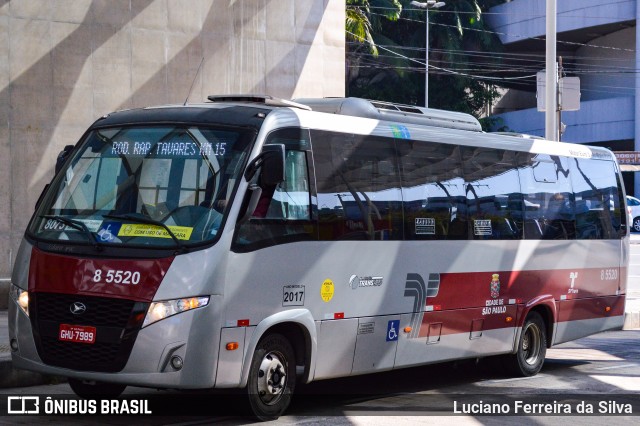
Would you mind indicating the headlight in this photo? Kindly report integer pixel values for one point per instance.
(161, 310)
(21, 297)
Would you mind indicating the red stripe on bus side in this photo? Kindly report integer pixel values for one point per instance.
(474, 289)
(461, 320)
(581, 309)
(491, 318)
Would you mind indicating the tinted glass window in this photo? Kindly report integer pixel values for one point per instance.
(290, 199)
(597, 199)
(433, 191)
(151, 186)
(283, 212)
(548, 200)
(359, 194)
(491, 186)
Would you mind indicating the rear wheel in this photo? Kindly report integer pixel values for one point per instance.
(92, 389)
(532, 347)
(636, 224)
(272, 377)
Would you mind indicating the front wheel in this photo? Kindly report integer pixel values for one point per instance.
(532, 347)
(92, 389)
(272, 377)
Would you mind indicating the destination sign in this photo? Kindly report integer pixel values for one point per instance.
(173, 149)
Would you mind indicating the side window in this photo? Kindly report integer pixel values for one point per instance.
(359, 195)
(284, 212)
(435, 205)
(548, 200)
(290, 198)
(598, 204)
(493, 192)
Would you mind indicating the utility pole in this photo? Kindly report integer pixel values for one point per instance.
(430, 4)
(559, 104)
(550, 115)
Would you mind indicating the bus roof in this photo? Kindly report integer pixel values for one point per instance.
(348, 114)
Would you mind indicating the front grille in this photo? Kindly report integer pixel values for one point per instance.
(117, 322)
(100, 311)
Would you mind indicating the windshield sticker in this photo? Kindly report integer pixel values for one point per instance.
(176, 149)
(93, 225)
(425, 226)
(482, 227)
(153, 231)
(326, 290)
(69, 175)
(108, 232)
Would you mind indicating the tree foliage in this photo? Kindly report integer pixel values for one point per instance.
(386, 63)
(365, 17)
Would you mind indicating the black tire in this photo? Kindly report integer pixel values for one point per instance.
(91, 389)
(636, 224)
(272, 377)
(532, 347)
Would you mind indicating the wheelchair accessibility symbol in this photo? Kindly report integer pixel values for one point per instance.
(392, 330)
(105, 234)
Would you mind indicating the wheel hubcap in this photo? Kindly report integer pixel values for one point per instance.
(531, 342)
(272, 378)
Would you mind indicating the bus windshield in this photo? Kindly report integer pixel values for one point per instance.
(161, 186)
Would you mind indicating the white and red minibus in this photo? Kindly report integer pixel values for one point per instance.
(251, 242)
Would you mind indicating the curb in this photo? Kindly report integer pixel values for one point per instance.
(631, 321)
(14, 378)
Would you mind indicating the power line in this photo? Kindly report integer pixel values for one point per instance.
(448, 70)
(503, 55)
(570, 43)
(561, 14)
(523, 64)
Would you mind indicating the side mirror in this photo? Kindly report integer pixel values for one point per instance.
(62, 157)
(272, 172)
(270, 163)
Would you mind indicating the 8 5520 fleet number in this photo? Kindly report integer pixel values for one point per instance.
(116, 276)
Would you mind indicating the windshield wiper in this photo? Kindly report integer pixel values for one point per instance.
(75, 224)
(147, 220)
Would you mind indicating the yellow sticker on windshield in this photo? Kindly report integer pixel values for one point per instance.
(144, 230)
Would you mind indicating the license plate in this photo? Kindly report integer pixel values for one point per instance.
(77, 333)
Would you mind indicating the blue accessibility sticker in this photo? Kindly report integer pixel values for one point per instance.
(392, 330)
(108, 231)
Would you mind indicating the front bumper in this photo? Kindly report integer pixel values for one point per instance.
(190, 335)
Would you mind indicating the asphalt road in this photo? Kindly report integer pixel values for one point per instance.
(601, 369)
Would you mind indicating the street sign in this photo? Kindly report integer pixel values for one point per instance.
(628, 157)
